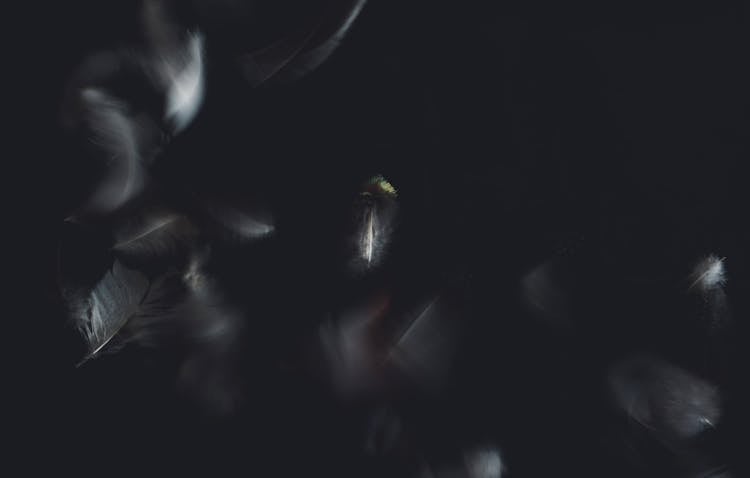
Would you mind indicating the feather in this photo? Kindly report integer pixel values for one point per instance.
(671, 402)
(425, 345)
(178, 65)
(375, 213)
(153, 236)
(546, 291)
(302, 52)
(210, 372)
(708, 275)
(235, 223)
(117, 297)
(117, 138)
(483, 462)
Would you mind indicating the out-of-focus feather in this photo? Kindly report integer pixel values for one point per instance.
(546, 291)
(117, 138)
(154, 235)
(178, 64)
(671, 402)
(117, 297)
(708, 275)
(425, 345)
(234, 222)
(299, 54)
(483, 462)
(214, 333)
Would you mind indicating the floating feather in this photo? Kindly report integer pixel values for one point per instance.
(302, 52)
(708, 275)
(178, 65)
(375, 213)
(117, 138)
(671, 402)
(118, 297)
(154, 236)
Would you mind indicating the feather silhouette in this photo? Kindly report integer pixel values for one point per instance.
(302, 52)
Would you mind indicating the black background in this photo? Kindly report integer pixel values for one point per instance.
(614, 136)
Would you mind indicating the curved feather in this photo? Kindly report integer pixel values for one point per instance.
(666, 399)
(178, 64)
(117, 297)
(292, 58)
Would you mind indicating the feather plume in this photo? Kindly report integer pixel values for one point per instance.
(299, 54)
(178, 65)
(118, 296)
(708, 275)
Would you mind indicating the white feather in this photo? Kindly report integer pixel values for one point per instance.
(709, 274)
(117, 135)
(183, 77)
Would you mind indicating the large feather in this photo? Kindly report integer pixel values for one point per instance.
(118, 297)
(302, 52)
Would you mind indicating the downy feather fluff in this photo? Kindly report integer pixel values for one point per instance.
(299, 54)
(177, 63)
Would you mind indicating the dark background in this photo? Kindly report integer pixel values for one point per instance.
(614, 137)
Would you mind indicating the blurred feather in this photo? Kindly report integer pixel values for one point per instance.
(210, 372)
(671, 402)
(708, 275)
(302, 52)
(154, 236)
(118, 140)
(178, 64)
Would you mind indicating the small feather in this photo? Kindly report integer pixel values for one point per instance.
(154, 235)
(178, 65)
(299, 54)
(709, 274)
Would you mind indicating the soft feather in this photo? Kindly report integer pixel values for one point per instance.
(671, 402)
(154, 236)
(294, 57)
(177, 63)
(102, 313)
(117, 137)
